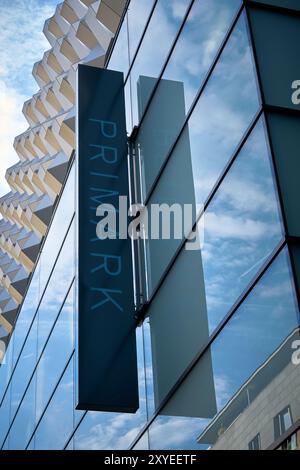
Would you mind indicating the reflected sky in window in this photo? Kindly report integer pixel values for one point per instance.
(199, 42)
(160, 34)
(242, 226)
(224, 112)
(258, 327)
(253, 342)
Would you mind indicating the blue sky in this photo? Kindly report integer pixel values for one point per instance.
(21, 44)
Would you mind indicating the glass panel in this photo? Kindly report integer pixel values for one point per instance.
(5, 415)
(6, 369)
(198, 44)
(57, 288)
(143, 443)
(195, 50)
(130, 35)
(138, 14)
(255, 443)
(241, 227)
(57, 423)
(27, 313)
(287, 420)
(58, 229)
(25, 367)
(265, 319)
(57, 353)
(24, 423)
(245, 376)
(5, 445)
(31, 445)
(165, 23)
(277, 427)
(282, 422)
(49, 308)
(221, 117)
(148, 367)
(178, 314)
(224, 112)
(70, 446)
(61, 221)
(119, 59)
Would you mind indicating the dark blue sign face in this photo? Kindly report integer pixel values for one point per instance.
(107, 364)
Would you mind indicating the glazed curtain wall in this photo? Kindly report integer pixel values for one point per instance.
(229, 311)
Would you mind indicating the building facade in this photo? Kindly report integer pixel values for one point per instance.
(213, 118)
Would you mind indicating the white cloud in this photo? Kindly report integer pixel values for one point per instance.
(176, 432)
(223, 390)
(178, 9)
(224, 226)
(244, 194)
(278, 290)
(114, 431)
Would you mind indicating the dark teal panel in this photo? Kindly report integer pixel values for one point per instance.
(107, 363)
(293, 4)
(285, 132)
(276, 38)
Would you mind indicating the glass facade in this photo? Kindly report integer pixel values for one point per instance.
(215, 345)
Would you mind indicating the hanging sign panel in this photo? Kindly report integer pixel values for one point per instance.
(106, 344)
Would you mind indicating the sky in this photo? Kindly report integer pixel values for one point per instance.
(22, 43)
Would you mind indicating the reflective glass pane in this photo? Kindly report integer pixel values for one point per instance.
(143, 443)
(25, 367)
(198, 44)
(219, 120)
(5, 415)
(58, 351)
(119, 59)
(57, 423)
(24, 423)
(223, 112)
(30, 445)
(70, 446)
(57, 288)
(178, 328)
(178, 433)
(191, 59)
(148, 367)
(242, 226)
(6, 369)
(130, 35)
(160, 34)
(58, 229)
(246, 377)
(5, 445)
(138, 14)
(27, 312)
